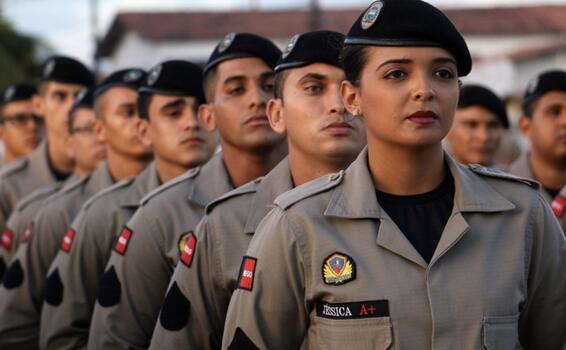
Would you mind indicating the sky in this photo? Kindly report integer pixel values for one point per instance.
(65, 26)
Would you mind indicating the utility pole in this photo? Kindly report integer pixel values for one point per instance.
(94, 32)
(315, 15)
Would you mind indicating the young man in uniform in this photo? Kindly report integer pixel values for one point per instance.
(407, 248)
(322, 139)
(21, 130)
(18, 318)
(117, 122)
(238, 83)
(60, 80)
(544, 123)
(116, 125)
(167, 104)
(478, 126)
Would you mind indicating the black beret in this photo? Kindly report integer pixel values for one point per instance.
(552, 80)
(84, 99)
(322, 46)
(131, 78)
(477, 95)
(177, 78)
(66, 70)
(239, 45)
(17, 92)
(409, 23)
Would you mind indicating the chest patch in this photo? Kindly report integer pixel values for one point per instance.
(353, 310)
(338, 269)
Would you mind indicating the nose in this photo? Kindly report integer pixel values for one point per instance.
(335, 103)
(258, 98)
(190, 121)
(423, 90)
(481, 134)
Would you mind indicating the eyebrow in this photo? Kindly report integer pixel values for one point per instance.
(408, 61)
(313, 76)
(176, 103)
(262, 76)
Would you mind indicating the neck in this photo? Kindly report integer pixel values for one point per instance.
(404, 171)
(244, 166)
(58, 157)
(167, 171)
(9, 156)
(551, 175)
(305, 168)
(121, 167)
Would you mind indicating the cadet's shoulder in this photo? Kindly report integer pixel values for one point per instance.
(104, 196)
(14, 168)
(236, 195)
(499, 175)
(65, 191)
(309, 191)
(37, 195)
(171, 186)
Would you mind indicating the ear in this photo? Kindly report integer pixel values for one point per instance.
(99, 130)
(143, 131)
(525, 125)
(351, 98)
(207, 117)
(37, 105)
(275, 115)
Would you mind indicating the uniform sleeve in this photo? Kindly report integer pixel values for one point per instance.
(194, 309)
(80, 269)
(132, 289)
(543, 317)
(268, 308)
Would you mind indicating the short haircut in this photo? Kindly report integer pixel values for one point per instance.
(209, 82)
(143, 102)
(279, 83)
(100, 106)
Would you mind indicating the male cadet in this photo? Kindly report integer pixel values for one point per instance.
(18, 298)
(20, 129)
(59, 81)
(478, 126)
(322, 139)
(115, 104)
(167, 104)
(544, 123)
(87, 151)
(238, 81)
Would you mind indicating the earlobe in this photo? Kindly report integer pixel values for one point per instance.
(349, 94)
(274, 114)
(207, 117)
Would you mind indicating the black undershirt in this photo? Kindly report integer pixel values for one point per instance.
(421, 217)
(59, 176)
(552, 192)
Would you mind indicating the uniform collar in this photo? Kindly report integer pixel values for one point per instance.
(521, 167)
(100, 178)
(277, 181)
(39, 163)
(211, 181)
(141, 185)
(356, 197)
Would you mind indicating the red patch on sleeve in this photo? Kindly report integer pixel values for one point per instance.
(123, 240)
(7, 239)
(189, 250)
(27, 233)
(247, 273)
(558, 206)
(68, 240)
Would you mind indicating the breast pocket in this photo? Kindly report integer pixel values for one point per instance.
(359, 334)
(501, 332)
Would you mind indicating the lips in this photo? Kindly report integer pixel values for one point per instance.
(257, 120)
(193, 141)
(423, 117)
(339, 128)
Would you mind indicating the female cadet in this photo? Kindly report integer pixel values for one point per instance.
(406, 249)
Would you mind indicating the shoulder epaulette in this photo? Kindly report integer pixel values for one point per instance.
(500, 174)
(309, 189)
(176, 181)
(118, 185)
(16, 166)
(250, 187)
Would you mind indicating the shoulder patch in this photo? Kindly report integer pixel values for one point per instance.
(117, 186)
(309, 189)
(7, 239)
(123, 240)
(250, 187)
(176, 181)
(67, 242)
(500, 174)
(187, 246)
(247, 273)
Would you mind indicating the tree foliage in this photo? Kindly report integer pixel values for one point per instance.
(17, 55)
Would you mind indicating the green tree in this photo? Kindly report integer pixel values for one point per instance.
(17, 55)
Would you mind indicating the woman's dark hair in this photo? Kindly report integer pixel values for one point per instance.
(353, 59)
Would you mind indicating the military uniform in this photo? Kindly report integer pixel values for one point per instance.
(195, 306)
(329, 269)
(521, 167)
(143, 259)
(97, 226)
(22, 293)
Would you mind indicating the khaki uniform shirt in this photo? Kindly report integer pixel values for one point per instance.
(522, 168)
(21, 299)
(142, 261)
(193, 313)
(21, 178)
(329, 269)
(97, 226)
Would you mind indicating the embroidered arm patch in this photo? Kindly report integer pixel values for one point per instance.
(247, 273)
